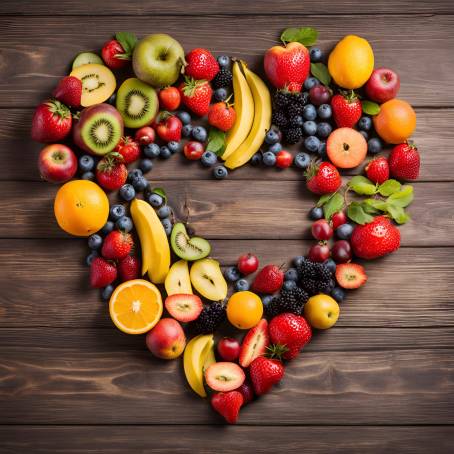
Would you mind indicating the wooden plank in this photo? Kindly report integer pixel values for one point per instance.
(433, 137)
(272, 210)
(34, 56)
(411, 288)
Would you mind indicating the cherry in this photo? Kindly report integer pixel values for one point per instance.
(319, 94)
(341, 251)
(145, 135)
(284, 159)
(319, 252)
(321, 230)
(193, 150)
(338, 219)
(229, 349)
(248, 264)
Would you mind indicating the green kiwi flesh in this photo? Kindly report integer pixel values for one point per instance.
(85, 58)
(190, 249)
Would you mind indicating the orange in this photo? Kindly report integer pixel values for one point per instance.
(135, 306)
(244, 310)
(81, 207)
(346, 148)
(396, 121)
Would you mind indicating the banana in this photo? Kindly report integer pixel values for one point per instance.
(153, 241)
(244, 109)
(262, 121)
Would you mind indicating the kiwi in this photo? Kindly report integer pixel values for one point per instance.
(137, 102)
(85, 58)
(187, 248)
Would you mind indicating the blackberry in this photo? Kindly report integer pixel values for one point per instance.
(314, 286)
(222, 79)
(280, 100)
(313, 270)
(209, 319)
(293, 135)
(294, 109)
(288, 301)
(298, 99)
(279, 119)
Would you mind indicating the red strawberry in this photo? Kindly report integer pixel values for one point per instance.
(169, 98)
(347, 110)
(196, 95)
(117, 245)
(112, 53)
(111, 173)
(201, 64)
(291, 331)
(404, 162)
(129, 268)
(168, 127)
(222, 116)
(102, 272)
(350, 275)
(51, 122)
(269, 279)
(69, 91)
(323, 178)
(228, 405)
(378, 238)
(378, 170)
(265, 373)
(247, 391)
(254, 343)
(129, 149)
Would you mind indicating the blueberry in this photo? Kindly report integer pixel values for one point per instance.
(88, 176)
(224, 61)
(186, 130)
(271, 137)
(124, 224)
(139, 183)
(127, 192)
(209, 159)
(184, 117)
(269, 158)
(310, 82)
(220, 94)
(275, 148)
(232, 274)
(256, 159)
(164, 212)
(374, 145)
(220, 172)
(331, 265)
(297, 120)
(107, 228)
(316, 213)
(134, 173)
(241, 285)
(302, 160)
(344, 231)
(324, 111)
(174, 146)
(86, 163)
(146, 165)
(116, 212)
(94, 241)
(338, 294)
(164, 152)
(113, 99)
(365, 134)
(167, 224)
(309, 128)
(324, 130)
(309, 112)
(92, 255)
(299, 260)
(291, 275)
(199, 133)
(155, 200)
(106, 292)
(316, 54)
(289, 285)
(151, 150)
(322, 150)
(311, 143)
(365, 123)
(266, 300)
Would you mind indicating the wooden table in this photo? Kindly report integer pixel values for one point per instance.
(382, 380)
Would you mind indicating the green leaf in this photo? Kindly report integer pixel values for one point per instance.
(357, 214)
(361, 185)
(216, 141)
(290, 35)
(402, 198)
(371, 206)
(304, 35)
(389, 187)
(320, 71)
(398, 214)
(324, 198)
(161, 192)
(128, 42)
(334, 204)
(370, 108)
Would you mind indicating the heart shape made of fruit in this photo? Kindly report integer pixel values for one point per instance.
(322, 114)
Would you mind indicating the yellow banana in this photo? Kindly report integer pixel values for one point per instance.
(261, 124)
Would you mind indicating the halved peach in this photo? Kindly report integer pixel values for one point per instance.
(346, 148)
(224, 376)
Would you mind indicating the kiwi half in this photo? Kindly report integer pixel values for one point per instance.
(187, 248)
(137, 103)
(86, 58)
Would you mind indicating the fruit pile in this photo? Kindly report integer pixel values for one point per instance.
(323, 114)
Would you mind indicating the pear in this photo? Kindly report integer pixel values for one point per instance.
(207, 279)
(178, 280)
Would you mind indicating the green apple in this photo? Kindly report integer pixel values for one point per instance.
(321, 311)
(157, 60)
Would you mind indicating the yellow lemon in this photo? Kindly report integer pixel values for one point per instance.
(244, 310)
(351, 62)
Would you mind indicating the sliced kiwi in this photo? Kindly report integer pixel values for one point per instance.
(137, 102)
(86, 58)
(187, 248)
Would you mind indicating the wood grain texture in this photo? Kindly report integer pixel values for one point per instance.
(31, 66)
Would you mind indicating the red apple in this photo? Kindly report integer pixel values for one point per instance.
(57, 163)
(382, 85)
(287, 66)
(166, 340)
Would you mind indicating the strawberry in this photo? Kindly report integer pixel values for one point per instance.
(378, 238)
(196, 95)
(291, 331)
(269, 279)
(247, 391)
(265, 373)
(254, 343)
(168, 127)
(228, 405)
(169, 98)
(378, 170)
(222, 116)
(117, 52)
(117, 245)
(129, 149)
(350, 275)
(51, 122)
(404, 161)
(129, 268)
(102, 272)
(69, 91)
(323, 178)
(111, 173)
(201, 64)
(347, 110)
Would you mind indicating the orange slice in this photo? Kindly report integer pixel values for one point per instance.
(135, 306)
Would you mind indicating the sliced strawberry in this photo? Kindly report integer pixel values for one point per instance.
(350, 275)
(228, 405)
(183, 307)
(224, 376)
(254, 343)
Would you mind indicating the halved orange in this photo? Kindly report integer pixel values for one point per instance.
(135, 306)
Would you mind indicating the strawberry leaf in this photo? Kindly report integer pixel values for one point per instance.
(324, 198)
(320, 71)
(357, 214)
(362, 186)
(216, 141)
(398, 214)
(402, 198)
(370, 108)
(334, 204)
(128, 42)
(372, 206)
(304, 35)
(389, 187)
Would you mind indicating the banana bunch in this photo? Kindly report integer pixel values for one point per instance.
(153, 241)
(253, 116)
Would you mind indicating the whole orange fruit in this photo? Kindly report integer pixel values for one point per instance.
(244, 309)
(396, 121)
(81, 207)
